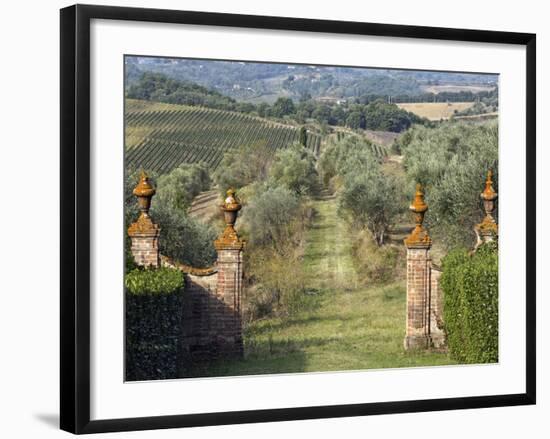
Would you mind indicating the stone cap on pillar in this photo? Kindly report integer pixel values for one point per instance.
(229, 238)
(419, 237)
(144, 225)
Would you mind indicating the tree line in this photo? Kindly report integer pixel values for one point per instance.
(370, 112)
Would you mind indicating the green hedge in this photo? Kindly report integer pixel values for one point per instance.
(153, 281)
(470, 288)
(154, 302)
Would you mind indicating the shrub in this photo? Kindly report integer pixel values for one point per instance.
(272, 217)
(275, 283)
(283, 107)
(154, 300)
(274, 222)
(375, 263)
(370, 197)
(470, 288)
(153, 281)
(345, 155)
(244, 165)
(380, 115)
(178, 188)
(294, 168)
(183, 238)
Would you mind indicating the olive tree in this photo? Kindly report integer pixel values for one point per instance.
(370, 197)
(243, 166)
(271, 215)
(294, 169)
(452, 161)
(182, 184)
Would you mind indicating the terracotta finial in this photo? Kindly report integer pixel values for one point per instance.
(418, 205)
(487, 230)
(144, 192)
(419, 236)
(489, 193)
(231, 202)
(230, 209)
(144, 187)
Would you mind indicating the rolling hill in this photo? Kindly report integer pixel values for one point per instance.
(160, 136)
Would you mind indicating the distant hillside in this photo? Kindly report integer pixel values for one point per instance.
(160, 88)
(264, 82)
(161, 136)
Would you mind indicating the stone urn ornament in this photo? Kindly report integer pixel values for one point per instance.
(230, 208)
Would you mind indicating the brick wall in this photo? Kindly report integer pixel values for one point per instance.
(212, 326)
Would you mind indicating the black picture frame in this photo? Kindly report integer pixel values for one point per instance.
(75, 217)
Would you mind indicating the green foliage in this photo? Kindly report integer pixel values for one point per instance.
(402, 141)
(379, 115)
(476, 109)
(486, 102)
(355, 120)
(279, 287)
(470, 287)
(294, 169)
(376, 264)
(322, 113)
(159, 88)
(452, 161)
(375, 115)
(153, 314)
(178, 188)
(183, 238)
(302, 138)
(243, 166)
(153, 281)
(344, 155)
(274, 222)
(370, 196)
(271, 216)
(283, 107)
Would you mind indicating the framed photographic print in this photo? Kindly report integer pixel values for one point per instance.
(273, 218)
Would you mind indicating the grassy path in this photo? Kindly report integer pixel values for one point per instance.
(348, 326)
(328, 260)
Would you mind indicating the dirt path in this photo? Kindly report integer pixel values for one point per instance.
(205, 206)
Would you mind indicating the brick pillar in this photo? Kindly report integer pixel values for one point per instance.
(230, 274)
(419, 262)
(145, 244)
(144, 234)
(487, 230)
(418, 300)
